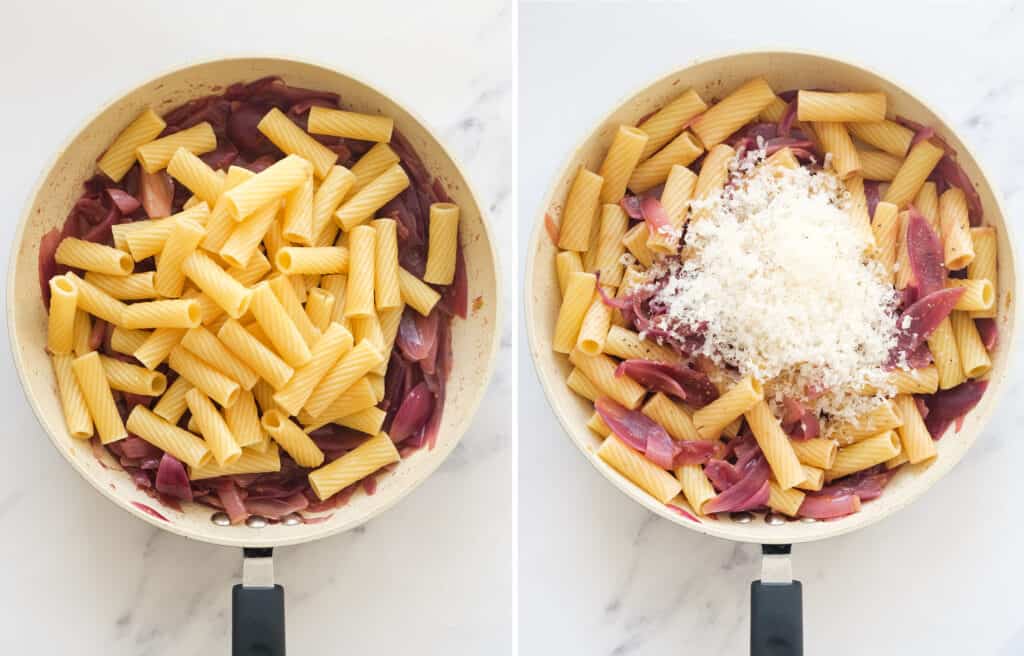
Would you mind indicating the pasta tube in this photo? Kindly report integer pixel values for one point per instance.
(594, 327)
(297, 222)
(817, 452)
(278, 326)
(979, 294)
(619, 162)
(214, 429)
(739, 399)
(229, 294)
(245, 237)
(696, 487)
(353, 365)
(600, 370)
(376, 452)
(133, 287)
(290, 437)
(918, 445)
(292, 260)
(682, 151)
(205, 346)
(90, 256)
(351, 125)
(285, 293)
(293, 140)
(120, 156)
(642, 472)
(443, 244)
(887, 136)
(847, 107)
(176, 313)
(942, 344)
(675, 198)
(185, 236)
(95, 389)
(127, 341)
(836, 140)
(158, 346)
(984, 265)
(916, 168)
(334, 343)
(974, 359)
(208, 380)
(775, 445)
(417, 294)
(580, 384)
(376, 160)
(319, 304)
(243, 421)
(270, 184)
(580, 208)
(956, 229)
(328, 197)
(195, 174)
(60, 331)
(178, 442)
(886, 227)
(733, 112)
(386, 291)
(876, 165)
(155, 155)
(362, 205)
(267, 364)
(626, 344)
(665, 124)
(672, 417)
(130, 378)
(250, 462)
(578, 297)
(172, 405)
(873, 451)
(76, 413)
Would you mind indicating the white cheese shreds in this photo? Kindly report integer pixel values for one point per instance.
(778, 277)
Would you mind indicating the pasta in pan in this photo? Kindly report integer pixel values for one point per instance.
(756, 326)
(276, 323)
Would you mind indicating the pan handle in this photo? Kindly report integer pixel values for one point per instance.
(776, 606)
(257, 608)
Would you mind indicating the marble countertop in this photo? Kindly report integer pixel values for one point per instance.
(599, 574)
(433, 575)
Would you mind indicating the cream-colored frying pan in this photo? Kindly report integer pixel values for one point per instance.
(713, 78)
(474, 340)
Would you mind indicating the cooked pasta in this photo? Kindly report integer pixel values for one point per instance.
(92, 382)
(244, 240)
(371, 165)
(127, 341)
(293, 140)
(173, 313)
(915, 169)
(886, 227)
(817, 452)
(214, 429)
(268, 185)
(162, 434)
(257, 356)
(846, 107)
(158, 346)
(887, 136)
(72, 401)
(983, 266)
(621, 159)
(351, 125)
(376, 452)
(956, 229)
(334, 343)
(195, 174)
(979, 295)
(89, 256)
(580, 292)
(202, 376)
(417, 294)
(353, 365)
(665, 124)
(126, 377)
(882, 418)
(635, 240)
(387, 293)
(787, 501)
(624, 343)
(443, 243)
(869, 452)
(775, 444)
(250, 462)
(942, 344)
(649, 477)
(208, 348)
(653, 171)
(278, 326)
(732, 112)
(362, 204)
(133, 287)
(169, 279)
(120, 155)
(156, 154)
(877, 165)
(738, 400)
(243, 421)
(290, 437)
(974, 358)
(298, 260)
(229, 294)
(600, 370)
(172, 405)
(594, 327)
(835, 140)
(671, 416)
(580, 209)
(60, 332)
(297, 219)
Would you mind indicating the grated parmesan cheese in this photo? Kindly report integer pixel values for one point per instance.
(777, 274)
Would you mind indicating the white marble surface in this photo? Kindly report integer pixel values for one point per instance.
(435, 574)
(600, 575)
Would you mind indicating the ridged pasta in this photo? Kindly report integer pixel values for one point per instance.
(869, 452)
(942, 344)
(158, 346)
(120, 156)
(887, 136)
(387, 293)
(622, 157)
(675, 198)
(597, 425)
(626, 344)
(245, 237)
(733, 112)
(372, 164)
(362, 204)
(150, 239)
(903, 274)
(195, 174)
(859, 208)
(360, 396)
(369, 328)
(162, 434)
(369, 421)
(328, 197)
(665, 124)
(250, 462)
(697, 489)
(293, 140)
(351, 125)
(76, 413)
(672, 417)
(232, 297)
(131, 378)
(878, 420)
(133, 287)
(886, 228)
(978, 295)
(742, 397)
(652, 172)
(635, 240)
(92, 382)
(90, 256)
(917, 443)
(278, 326)
(642, 472)
(254, 271)
(207, 347)
(243, 421)
(209, 311)
(814, 478)
(285, 292)
(96, 302)
(319, 304)
(335, 285)
(915, 381)
(773, 111)
(958, 249)
(773, 442)
(580, 384)
(843, 107)
(783, 501)
(297, 218)
(984, 266)
(579, 211)
(594, 327)
(974, 359)
(877, 165)
(817, 452)
(836, 140)
(714, 173)
(172, 405)
(202, 376)
(127, 341)
(600, 370)
(257, 356)
(353, 365)
(609, 249)
(270, 184)
(916, 168)
(417, 294)
(326, 352)
(927, 203)
(221, 223)
(155, 155)
(290, 437)
(169, 280)
(298, 260)
(443, 243)
(368, 457)
(580, 292)
(174, 313)
(60, 331)
(214, 429)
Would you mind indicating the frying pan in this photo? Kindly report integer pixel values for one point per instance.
(258, 604)
(776, 613)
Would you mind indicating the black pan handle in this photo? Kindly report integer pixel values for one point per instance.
(776, 606)
(257, 608)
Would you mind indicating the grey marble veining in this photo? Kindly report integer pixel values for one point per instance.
(433, 574)
(601, 576)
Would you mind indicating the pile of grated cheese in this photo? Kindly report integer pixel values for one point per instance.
(779, 275)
